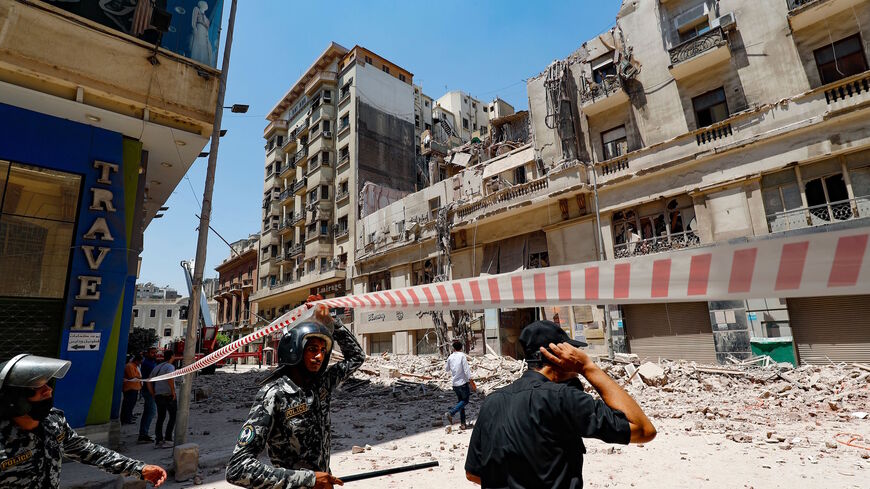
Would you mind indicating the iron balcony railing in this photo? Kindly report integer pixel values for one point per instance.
(299, 185)
(659, 244)
(339, 196)
(297, 250)
(596, 91)
(697, 45)
(819, 215)
(796, 4)
(510, 194)
(341, 233)
(297, 217)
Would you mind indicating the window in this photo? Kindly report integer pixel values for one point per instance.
(324, 191)
(672, 228)
(824, 191)
(484, 130)
(402, 77)
(343, 153)
(152, 313)
(694, 30)
(434, 205)
(311, 266)
(614, 143)
(324, 158)
(345, 89)
(486, 109)
(39, 209)
(324, 228)
(327, 94)
(539, 260)
(325, 125)
(385, 69)
(379, 281)
(323, 264)
(417, 120)
(368, 59)
(425, 103)
(169, 313)
(344, 188)
(381, 343)
(464, 123)
(342, 224)
(840, 59)
(135, 313)
(344, 121)
(422, 272)
(473, 105)
(603, 69)
(167, 332)
(311, 229)
(710, 107)
(520, 174)
(342, 260)
(474, 126)
(280, 140)
(312, 197)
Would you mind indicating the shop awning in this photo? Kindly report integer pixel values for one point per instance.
(509, 162)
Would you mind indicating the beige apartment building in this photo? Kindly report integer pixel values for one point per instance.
(723, 120)
(471, 117)
(339, 142)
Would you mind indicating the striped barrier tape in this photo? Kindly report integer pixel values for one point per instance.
(804, 265)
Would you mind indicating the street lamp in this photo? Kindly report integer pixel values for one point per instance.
(238, 108)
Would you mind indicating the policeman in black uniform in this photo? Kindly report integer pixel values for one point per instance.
(34, 436)
(290, 415)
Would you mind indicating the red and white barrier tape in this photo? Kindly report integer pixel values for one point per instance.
(806, 265)
(288, 320)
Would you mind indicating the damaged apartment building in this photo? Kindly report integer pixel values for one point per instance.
(719, 121)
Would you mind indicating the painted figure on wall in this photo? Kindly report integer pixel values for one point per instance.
(200, 47)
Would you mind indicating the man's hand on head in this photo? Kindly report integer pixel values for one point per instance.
(567, 357)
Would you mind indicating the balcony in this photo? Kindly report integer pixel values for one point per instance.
(276, 125)
(800, 112)
(301, 157)
(286, 225)
(296, 250)
(248, 284)
(805, 13)
(299, 186)
(289, 145)
(285, 195)
(819, 215)
(330, 77)
(341, 233)
(341, 196)
(699, 54)
(236, 288)
(517, 193)
(288, 169)
(298, 219)
(599, 97)
(659, 244)
(343, 163)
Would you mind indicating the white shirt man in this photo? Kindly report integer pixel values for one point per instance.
(457, 365)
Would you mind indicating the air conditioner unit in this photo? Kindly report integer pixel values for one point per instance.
(727, 22)
(691, 17)
(327, 134)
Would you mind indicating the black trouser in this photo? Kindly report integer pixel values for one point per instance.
(127, 405)
(463, 394)
(165, 404)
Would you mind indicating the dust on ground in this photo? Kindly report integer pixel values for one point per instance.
(742, 426)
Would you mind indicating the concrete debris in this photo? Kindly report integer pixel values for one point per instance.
(652, 374)
(186, 458)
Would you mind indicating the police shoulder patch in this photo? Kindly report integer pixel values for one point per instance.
(247, 435)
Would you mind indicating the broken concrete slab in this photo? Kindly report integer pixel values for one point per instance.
(652, 374)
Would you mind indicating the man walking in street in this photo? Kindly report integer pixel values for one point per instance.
(164, 396)
(529, 434)
(149, 408)
(35, 437)
(130, 388)
(457, 365)
(291, 412)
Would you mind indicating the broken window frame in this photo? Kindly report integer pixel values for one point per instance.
(614, 143)
(707, 107)
(656, 230)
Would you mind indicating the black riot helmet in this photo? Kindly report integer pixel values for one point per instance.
(292, 345)
(21, 376)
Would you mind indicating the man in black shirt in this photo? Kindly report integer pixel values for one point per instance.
(529, 434)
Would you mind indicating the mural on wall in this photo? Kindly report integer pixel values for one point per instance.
(194, 31)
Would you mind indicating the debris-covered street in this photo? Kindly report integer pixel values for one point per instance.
(723, 426)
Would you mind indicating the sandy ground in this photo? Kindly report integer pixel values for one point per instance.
(777, 444)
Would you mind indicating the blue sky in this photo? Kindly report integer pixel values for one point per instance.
(486, 48)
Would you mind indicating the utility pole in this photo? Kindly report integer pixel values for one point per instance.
(608, 322)
(202, 240)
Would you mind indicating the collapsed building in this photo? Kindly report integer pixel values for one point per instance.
(725, 120)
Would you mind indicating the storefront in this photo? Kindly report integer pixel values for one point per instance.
(831, 329)
(68, 199)
(676, 330)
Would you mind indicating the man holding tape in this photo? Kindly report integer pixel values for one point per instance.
(35, 437)
(290, 415)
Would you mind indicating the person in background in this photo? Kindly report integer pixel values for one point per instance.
(457, 365)
(149, 408)
(529, 434)
(35, 436)
(164, 396)
(130, 388)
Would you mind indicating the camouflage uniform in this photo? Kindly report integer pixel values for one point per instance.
(293, 423)
(32, 459)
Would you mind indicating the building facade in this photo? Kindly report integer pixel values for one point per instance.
(735, 120)
(99, 126)
(339, 142)
(167, 317)
(237, 281)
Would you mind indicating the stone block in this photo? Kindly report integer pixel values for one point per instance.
(186, 458)
(390, 373)
(652, 374)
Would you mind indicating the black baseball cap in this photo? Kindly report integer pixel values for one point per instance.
(542, 333)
